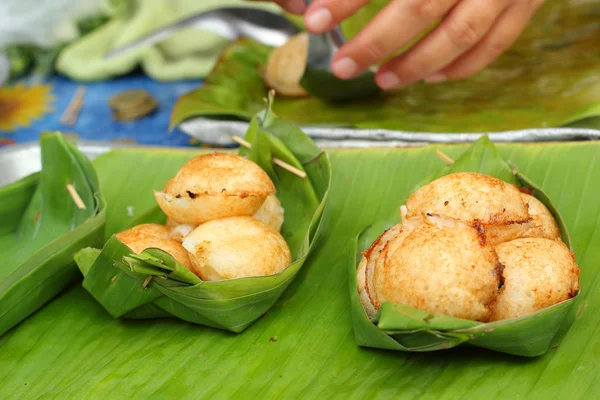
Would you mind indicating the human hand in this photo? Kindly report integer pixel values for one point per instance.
(471, 35)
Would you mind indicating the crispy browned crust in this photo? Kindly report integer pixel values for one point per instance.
(469, 196)
(147, 236)
(220, 174)
(538, 273)
(407, 261)
(236, 247)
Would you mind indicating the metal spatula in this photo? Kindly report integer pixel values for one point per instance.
(230, 22)
(318, 78)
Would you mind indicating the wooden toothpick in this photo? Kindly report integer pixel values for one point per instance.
(72, 112)
(147, 281)
(445, 158)
(276, 160)
(75, 196)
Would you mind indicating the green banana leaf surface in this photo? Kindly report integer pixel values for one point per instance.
(549, 78)
(404, 328)
(42, 228)
(304, 346)
(154, 285)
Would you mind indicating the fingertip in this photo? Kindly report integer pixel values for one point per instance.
(297, 7)
(437, 77)
(344, 68)
(388, 80)
(318, 20)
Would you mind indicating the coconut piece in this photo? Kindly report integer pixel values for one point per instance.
(538, 273)
(214, 186)
(543, 223)
(286, 66)
(435, 264)
(271, 213)
(473, 197)
(179, 232)
(236, 247)
(148, 236)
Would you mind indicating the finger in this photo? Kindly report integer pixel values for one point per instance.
(322, 15)
(394, 27)
(503, 34)
(293, 6)
(462, 29)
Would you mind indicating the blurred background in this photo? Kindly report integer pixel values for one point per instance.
(52, 56)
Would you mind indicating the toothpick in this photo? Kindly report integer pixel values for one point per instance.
(444, 157)
(147, 281)
(75, 196)
(72, 112)
(276, 160)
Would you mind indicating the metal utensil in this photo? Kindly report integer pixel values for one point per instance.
(4, 69)
(318, 79)
(230, 22)
(219, 132)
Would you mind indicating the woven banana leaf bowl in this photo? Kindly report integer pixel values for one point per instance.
(403, 328)
(154, 285)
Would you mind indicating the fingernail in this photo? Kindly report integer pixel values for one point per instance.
(295, 6)
(345, 68)
(388, 80)
(319, 20)
(436, 78)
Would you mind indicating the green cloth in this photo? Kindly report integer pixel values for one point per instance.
(188, 54)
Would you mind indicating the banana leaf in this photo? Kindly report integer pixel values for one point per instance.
(549, 78)
(304, 346)
(404, 328)
(154, 285)
(42, 228)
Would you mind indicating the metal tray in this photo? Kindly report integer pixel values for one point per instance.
(218, 132)
(23, 159)
(20, 160)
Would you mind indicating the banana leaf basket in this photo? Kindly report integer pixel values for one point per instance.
(403, 328)
(153, 285)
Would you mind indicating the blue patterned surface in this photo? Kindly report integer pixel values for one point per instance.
(95, 121)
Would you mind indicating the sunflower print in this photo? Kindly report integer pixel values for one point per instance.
(20, 105)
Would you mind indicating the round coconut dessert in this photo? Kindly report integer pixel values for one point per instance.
(147, 236)
(286, 66)
(472, 197)
(236, 247)
(542, 224)
(538, 273)
(214, 186)
(271, 213)
(435, 264)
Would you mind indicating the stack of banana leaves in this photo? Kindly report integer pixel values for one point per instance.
(297, 334)
(549, 78)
